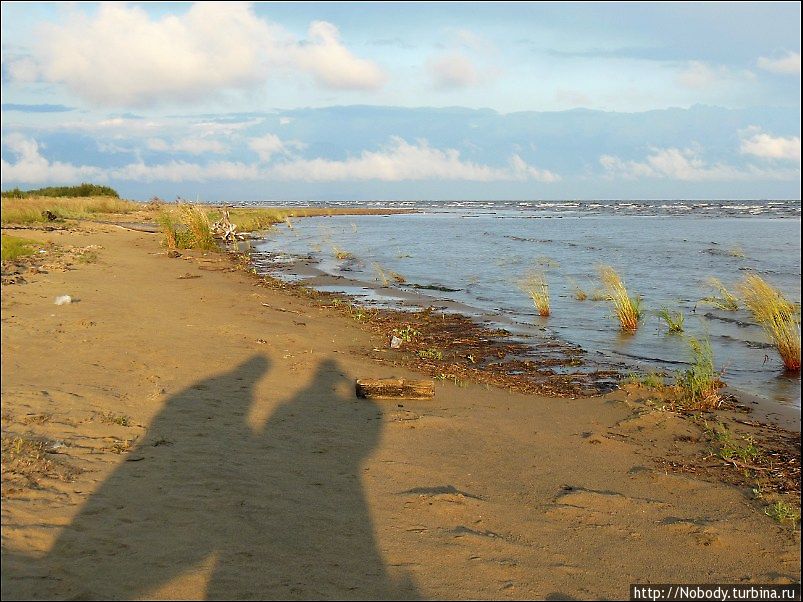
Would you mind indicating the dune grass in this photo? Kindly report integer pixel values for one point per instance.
(778, 316)
(674, 319)
(698, 386)
(31, 210)
(535, 284)
(14, 247)
(186, 226)
(200, 228)
(626, 308)
(726, 300)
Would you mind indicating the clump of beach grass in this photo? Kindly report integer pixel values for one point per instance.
(431, 354)
(341, 255)
(169, 227)
(197, 221)
(698, 386)
(674, 319)
(735, 448)
(547, 262)
(385, 276)
(186, 226)
(14, 247)
(783, 512)
(627, 309)
(726, 300)
(380, 272)
(535, 284)
(579, 293)
(778, 316)
(648, 380)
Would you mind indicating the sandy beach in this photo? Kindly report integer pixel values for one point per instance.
(203, 440)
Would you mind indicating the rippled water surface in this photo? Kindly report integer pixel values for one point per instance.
(664, 251)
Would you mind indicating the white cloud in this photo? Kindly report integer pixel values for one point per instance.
(766, 146)
(31, 167)
(269, 145)
(182, 171)
(121, 56)
(698, 75)
(20, 68)
(687, 165)
(398, 161)
(401, 160)
(453, 71)
(468, 60)
(787, 65)
(332, 64)
(195, 145)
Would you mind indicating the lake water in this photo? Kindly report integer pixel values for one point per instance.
(664, 251)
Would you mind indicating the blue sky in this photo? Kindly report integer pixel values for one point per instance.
(404, 100)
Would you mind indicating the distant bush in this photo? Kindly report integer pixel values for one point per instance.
(82, 190)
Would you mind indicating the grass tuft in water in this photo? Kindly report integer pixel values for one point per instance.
(627, 309)
(726, 300)
(674, 319)
(535, 284)
(779, 317)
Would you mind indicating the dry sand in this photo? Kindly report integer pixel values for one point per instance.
(250, 470)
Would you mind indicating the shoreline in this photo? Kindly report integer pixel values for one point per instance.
(559, 487)
(390, 299)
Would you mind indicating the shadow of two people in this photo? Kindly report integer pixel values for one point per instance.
(279, 513)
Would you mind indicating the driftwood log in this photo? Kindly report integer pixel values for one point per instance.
(224, 228)
(395, 388)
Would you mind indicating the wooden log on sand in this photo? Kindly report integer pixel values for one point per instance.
(395, 388)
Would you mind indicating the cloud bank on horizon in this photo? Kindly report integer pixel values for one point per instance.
(536, 100)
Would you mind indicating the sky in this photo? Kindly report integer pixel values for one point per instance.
(235, 101)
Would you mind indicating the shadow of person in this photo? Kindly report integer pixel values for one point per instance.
(306, 530)
(204, 506)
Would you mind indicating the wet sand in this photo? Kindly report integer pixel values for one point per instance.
(215, 448)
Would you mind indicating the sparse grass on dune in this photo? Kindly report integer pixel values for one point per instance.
(779, 317)
(698, 386)
(26, 461)
(627, 308)
(14, 247)
(726, 300)
(32, 210)
(535, 284)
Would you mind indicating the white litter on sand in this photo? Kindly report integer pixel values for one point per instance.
(63, 300)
